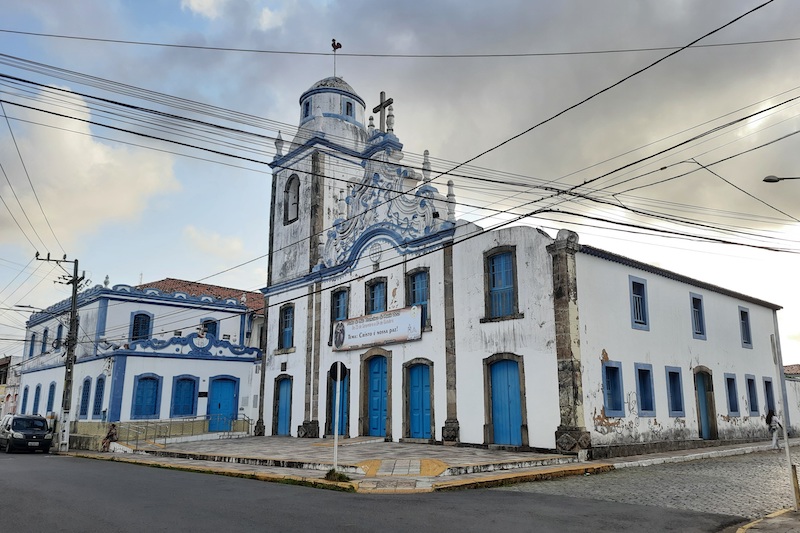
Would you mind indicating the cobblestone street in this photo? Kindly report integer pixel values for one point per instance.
(750, 485)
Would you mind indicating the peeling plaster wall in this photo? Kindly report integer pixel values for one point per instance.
(606, 334)
(531, 337)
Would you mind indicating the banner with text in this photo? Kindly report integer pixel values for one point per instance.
(381, 328)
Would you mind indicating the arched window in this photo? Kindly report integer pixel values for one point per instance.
(291, 200)
(146, 396)
(184, 396)
(44, 339)
(99, 391)
(24, 400)
(85, 395)
(51, 397)
(37, 395)
(59, 335)
(33, 343)
(141, 326)
(286, 333)
(210, 327)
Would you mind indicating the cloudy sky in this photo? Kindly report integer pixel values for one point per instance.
(137, 196)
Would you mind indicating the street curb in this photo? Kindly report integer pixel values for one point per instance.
(745, 527)
(512, 478)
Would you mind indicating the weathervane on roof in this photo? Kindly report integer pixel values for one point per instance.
(335, 47)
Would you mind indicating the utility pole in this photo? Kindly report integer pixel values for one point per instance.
(72, 342)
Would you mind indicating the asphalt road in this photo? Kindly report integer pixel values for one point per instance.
(61, 493)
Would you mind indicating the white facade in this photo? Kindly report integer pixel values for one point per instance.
(143, 354)
(524, 340)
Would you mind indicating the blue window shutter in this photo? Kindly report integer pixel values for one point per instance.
(419, 294)
(44, 340)
(501, 285)
(287, 328)
(340, 305)
(210, 327)
(85, 393)
(24, 400)
(183, 397)
(145, 402)
(141, 327)
(99, 391)
(51, 397)
(33, 343)
(36, 397)
(59, 335)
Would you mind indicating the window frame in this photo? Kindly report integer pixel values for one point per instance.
(491, 314)
(45, 334)
(769, 394)
(86, 398)
(369, 296)
(136, 382)
(752, 394)
(131, 329)
(37, 397)
(172, 404)
(24, 405)
(732, 394)
(698, 316)
(204, 327)
(638, 368)
(334, 304)
(620, 394)
(282, 327)
(99, 396)
(59, 336)
(33, 345)
(669, 371)
(644, 323)
(51, 397)
(291, 200)
(745, 329)
(411, 294)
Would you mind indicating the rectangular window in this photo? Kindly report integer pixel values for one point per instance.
(339, 305)
(612, 388)
(418, 293)
(348, 109)
(644, 389)
(639, 315)
(733, 399)
(744, 324)
(286, 337)
(769, 396)
(376, 297)
(698, 317)
(675, 391)
(501, 285)
(752, 395)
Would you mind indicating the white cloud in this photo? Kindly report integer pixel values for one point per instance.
(271, 19)
(213, 243)
(208, 8)
(82, 183)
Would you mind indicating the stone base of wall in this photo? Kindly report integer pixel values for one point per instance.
(572, 439)
(309, 429)
(85, 442)
(642, 448)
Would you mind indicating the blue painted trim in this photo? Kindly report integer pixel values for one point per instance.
(336, 90)
(159, 383)
(745, 330)
(640, 393)
(645, 325)
(752, 394)
(102, 317)
(24, 406)
(33, 343)
(620, 393)
(698, 332)
(242, 323)
(215, 321)
(37, 397)
(87, 386)
(97, 414)
(51, 397)
(774, 407)
(388, 142)
(731, 394)
(194, 399)
(127, 293)
(682, 410)
(45, 334)
(117, 388)
(149, 326)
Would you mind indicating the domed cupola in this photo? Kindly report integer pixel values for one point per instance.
(331, 107)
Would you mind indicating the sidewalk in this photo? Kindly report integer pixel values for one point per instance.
(375, 466)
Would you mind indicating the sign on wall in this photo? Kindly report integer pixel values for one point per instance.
(381, 328)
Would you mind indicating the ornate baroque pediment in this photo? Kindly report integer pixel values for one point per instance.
(390, 201)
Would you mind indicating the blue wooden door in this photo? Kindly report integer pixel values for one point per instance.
(701, 385)
(506, 403)
(221, 404)
(377, 396)
(342, 392)
(284, 407)
(419, 401)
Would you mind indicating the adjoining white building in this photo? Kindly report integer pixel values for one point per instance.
(386, 316)
(169, 349)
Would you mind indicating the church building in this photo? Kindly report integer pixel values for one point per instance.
(386, 316)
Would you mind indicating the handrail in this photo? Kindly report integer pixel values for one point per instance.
(159, 431)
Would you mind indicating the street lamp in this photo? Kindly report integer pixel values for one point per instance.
(776, 179)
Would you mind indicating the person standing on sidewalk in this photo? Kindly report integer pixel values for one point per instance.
(775, 425)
